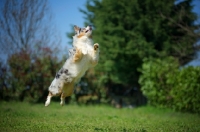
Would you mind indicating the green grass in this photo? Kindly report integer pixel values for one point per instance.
(18, 117)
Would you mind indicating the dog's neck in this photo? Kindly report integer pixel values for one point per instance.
(84, 43)
(84, 40)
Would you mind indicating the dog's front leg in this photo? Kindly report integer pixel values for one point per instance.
(95, 54)
(78, 55)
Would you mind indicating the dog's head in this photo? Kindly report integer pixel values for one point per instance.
(80, 32)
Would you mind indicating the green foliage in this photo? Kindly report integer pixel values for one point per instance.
(186, 90)
(129, 31)
(31, 76)
(25, 117)
(155, 78)
(166, 86)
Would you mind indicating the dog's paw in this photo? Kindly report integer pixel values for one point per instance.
(62, 102)
(47, 102)
(96, 46)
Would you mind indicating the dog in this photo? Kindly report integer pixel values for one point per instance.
(83, 56)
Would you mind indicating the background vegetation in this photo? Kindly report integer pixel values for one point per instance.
(167, 86)
(27, 41)
(144, 47)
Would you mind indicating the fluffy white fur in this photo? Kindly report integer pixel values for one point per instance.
(84, 56)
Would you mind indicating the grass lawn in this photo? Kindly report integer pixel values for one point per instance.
(19, 117)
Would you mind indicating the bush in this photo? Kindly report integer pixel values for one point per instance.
(165, 85)
(154, 80)
(31, 75)
(186, 90)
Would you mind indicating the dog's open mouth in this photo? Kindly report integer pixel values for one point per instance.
(87, 31)
(90, 28)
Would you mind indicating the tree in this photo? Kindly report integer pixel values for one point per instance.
(129, 31)
(184, 32)
(29, 40)
(25, 24)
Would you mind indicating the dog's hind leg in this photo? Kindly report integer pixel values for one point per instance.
(67, 91)
(48, 99)
(62, 98)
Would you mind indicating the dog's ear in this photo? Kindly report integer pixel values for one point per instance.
(76, 28)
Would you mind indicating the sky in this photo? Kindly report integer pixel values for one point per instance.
(66, 13)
